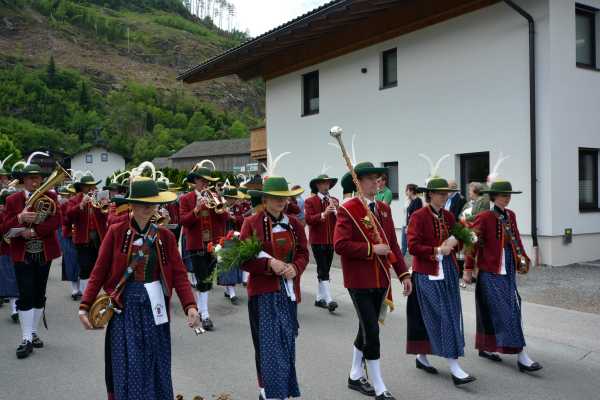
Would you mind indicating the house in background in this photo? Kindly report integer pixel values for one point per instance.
(472, 78)
(228, 155)
(101, 162)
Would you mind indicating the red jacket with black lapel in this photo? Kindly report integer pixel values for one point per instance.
(262, 279)
(113, 260)
(46, 231)
(361, 268)
(82, 220)
(491, 241)
(320, 230)
(193, 226)
(425, 233)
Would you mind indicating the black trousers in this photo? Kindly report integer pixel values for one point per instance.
(323, 254)
(177, 232)
(32, 278)
(204, 265)
(367, 303)
(87, 254)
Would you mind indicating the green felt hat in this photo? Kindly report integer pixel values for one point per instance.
(4, 193)
(348, 186)
(4, 172)
(436, 184)
(66, 190)
(276, 186)
(114, 186)
(201, 172)
(28, 170)
(86, 180)
(322, 178)
(367, 168)
(233, 193)
(145, 191)
(501, 187)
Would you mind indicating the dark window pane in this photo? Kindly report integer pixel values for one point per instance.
(585, 38)
(392, 175)
(474, 167)
(310, 93)
(588, 179)
(390, 68)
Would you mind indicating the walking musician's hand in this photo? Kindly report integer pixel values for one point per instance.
(407, 283)
(193, 319)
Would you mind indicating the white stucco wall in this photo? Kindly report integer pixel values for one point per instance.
(462, 87)
(100, 169)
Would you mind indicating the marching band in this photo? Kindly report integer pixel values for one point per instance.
(127, 247)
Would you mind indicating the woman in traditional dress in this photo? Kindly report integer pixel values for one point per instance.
(238, 206)
(499, 255)
(435, 324)
(138, 266)
(274, 289)
(8, 280)
(70, 264)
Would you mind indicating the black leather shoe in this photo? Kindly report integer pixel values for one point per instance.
(531, 368)
(332, 306)
(428, 369)
(463, 381)
(490, 356)
(207, 324)
(15, 318)
(226, 295)
(361, 385)
(37, 342)
(24, 349)
(321, 304)
(235, 300)
(260, 397)
(385, 395)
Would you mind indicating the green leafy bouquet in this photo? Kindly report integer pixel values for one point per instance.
(465, 235)
(231, 252)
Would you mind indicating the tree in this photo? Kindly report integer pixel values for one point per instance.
(7, 147)
(51, 71)
(85, 100)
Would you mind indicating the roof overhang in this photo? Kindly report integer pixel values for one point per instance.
(335, 29)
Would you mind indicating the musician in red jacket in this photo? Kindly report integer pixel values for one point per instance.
(89, 224)
(499, 255)
(320, 214)
(365, 238)
(434, 311)
(274, 289)
(139, 265)
(202, 224)
(32, 252)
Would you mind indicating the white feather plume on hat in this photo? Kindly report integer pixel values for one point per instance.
(433, 168)
(5, 160)
(494, 175)
(36, 153)
(271, 165)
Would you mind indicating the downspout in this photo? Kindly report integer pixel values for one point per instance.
(532, 122)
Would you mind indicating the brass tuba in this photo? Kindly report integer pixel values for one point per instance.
(39, 202)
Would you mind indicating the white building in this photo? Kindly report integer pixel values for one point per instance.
(444, 76)
(101, 162)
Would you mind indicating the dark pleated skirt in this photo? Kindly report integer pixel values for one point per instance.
(139, 358)
(434, 313)
(70, 263)
(8, 279)
(187, 258)
(274, 325)
(499, 323)
(230, 278)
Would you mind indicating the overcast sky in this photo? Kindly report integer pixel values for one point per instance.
(259, 16)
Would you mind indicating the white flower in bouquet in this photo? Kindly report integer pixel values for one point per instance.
(236, 234)
(218, 248)
(474, 238)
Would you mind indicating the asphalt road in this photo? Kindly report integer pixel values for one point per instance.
(71, 365)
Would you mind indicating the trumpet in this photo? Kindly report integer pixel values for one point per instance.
(161, 217)
(103, 207)
(212, 199)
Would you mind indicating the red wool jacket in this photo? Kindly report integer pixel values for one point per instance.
(113, 260)
(46, 231)
(320, 230)
(261, 279)
(491, 241)
(193, 226)
(360, 266)
(3, 244)
(173, 209)
(82, 220)
(425, 233)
